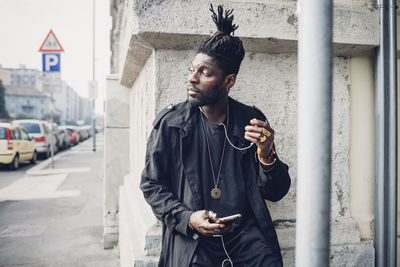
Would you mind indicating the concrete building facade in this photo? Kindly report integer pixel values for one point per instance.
(153, 43)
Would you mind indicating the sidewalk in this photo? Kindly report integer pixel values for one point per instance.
(54, 217)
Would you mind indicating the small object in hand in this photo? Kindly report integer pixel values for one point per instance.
(263, 139)
(229, 219)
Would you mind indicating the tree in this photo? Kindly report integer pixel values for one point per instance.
(3, 109)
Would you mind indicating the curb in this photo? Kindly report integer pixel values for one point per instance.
(43, 169)
(39, 169)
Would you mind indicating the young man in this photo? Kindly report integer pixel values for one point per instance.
(211, 157)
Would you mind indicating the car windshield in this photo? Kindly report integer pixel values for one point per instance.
(3, 133)
(31, 127)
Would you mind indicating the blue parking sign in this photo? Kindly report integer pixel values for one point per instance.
(51, 62)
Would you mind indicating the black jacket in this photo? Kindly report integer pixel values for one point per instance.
(170, 181)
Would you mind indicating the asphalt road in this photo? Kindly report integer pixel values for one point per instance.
(55, 218)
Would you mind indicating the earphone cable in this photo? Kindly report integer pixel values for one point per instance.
(226, 252)
(226, 135)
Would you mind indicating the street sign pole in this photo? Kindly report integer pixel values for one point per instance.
(52, 131)
(94, 99)
(94, 125)
(51, 49)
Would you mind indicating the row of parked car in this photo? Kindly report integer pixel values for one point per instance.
(26, 140)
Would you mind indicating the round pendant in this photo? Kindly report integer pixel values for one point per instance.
(216, 193)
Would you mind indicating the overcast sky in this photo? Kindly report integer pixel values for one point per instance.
(24, 24)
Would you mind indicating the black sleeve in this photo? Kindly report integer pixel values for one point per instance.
(156, 185)
(274, 182)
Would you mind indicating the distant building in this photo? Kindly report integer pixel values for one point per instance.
(67, 102)
(25, 97)
(85, 109)
(22, 77)
(26, 101)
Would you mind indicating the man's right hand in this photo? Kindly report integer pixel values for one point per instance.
(199, 220)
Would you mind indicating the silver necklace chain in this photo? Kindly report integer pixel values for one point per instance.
(216, 180)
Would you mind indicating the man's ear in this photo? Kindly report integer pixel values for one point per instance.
(230, 81)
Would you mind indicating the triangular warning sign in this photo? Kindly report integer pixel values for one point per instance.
(51, 44)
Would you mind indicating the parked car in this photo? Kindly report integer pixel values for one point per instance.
(15, 146)
(40, 131)
(66, 140)
(73, 135)
(83, 133)
(88, 129)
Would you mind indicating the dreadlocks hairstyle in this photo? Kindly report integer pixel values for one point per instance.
(227, 50)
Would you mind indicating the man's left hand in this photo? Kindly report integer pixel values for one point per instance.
(255, 133)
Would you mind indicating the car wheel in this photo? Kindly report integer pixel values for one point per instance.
(34, 158)
(15, 163)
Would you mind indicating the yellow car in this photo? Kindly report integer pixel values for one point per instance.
(15, 146)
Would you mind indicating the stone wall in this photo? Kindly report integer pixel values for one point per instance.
(154, 47)
(116, 154)
(136, 216)
(269, 81)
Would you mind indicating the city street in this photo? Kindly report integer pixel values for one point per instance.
(54, 217)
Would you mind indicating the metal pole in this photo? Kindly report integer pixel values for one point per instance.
(381, 145)
(94, 78)
(314, 133)
(392, 137)
(380, 183)
(52, 132)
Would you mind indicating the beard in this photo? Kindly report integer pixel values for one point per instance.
(201, 98)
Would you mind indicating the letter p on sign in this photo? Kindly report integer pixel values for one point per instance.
(51, 62)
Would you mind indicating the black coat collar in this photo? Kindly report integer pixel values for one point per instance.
(185, 118)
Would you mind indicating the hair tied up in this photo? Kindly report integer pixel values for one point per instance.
(224, 24)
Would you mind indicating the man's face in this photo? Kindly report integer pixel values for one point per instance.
(206, 81)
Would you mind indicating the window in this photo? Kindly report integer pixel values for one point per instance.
(17, 134)
(24, 134)
(3, 133)
(12, 134)
(31, 127)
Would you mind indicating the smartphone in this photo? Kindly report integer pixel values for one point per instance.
(229, 219)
